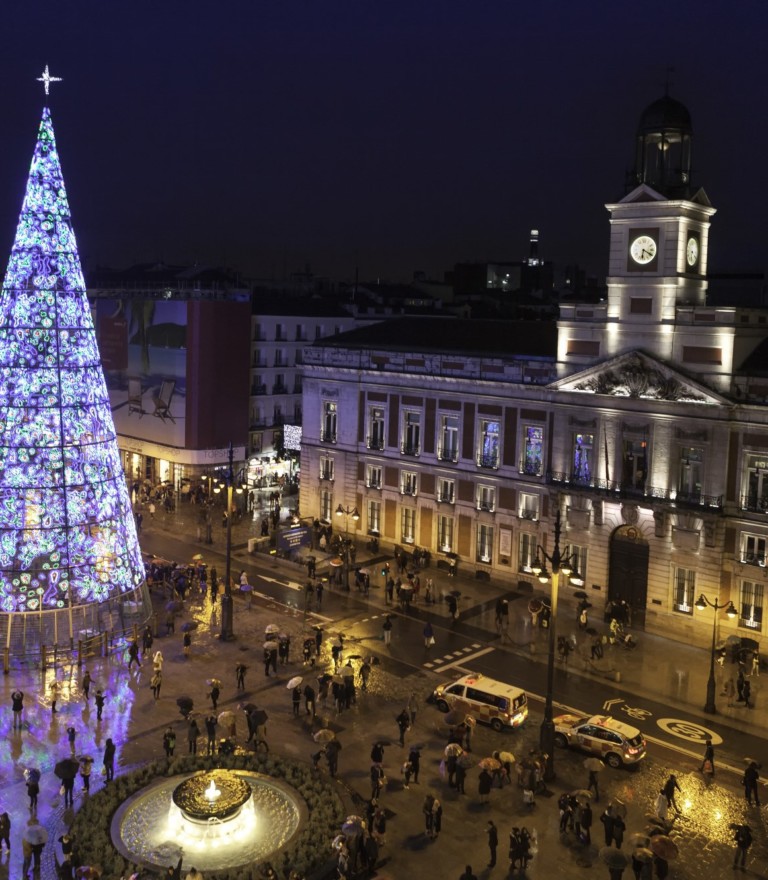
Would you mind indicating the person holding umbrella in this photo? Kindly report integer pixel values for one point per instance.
(403, 723)
(296, 700)
(743, 840)
(36, 836)
(66, 770)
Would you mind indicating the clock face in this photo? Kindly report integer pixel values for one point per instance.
(643, 249)
(692, 251)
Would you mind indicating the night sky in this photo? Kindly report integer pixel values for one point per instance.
(401, 134)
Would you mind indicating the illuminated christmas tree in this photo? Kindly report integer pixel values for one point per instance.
(67, 535)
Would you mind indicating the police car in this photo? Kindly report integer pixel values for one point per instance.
(494, 702)
(613, 741)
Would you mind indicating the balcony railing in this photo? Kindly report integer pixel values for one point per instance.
(374, 442)
(754, 503)
(327, 436)
(410, 449)
(753, 559)
(257, 390)
(627, 490)
(326, 475)
(446, 498)
(487, 506)
(530, 467)
(373, 484)
(488, 460)
(530, 514)
(448, 453)
(277, 388)
(407, 490)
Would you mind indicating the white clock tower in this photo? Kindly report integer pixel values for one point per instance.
(657, 265)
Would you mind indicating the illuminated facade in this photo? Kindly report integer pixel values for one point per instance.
(643, 420)
(68, 543)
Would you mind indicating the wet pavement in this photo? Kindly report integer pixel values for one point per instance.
(136, 723)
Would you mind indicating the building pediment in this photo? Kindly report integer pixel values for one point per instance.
(645, 193)
(638, 375)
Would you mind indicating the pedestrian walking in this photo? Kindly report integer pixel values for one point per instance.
(85, 684)
(429, 635)
(170, 623)
(5, 831)
(109, 760)
(240, 671)
(593, 786)
(746, 693)
(365, 674)
(413, 707)
(147, 640)
(99, 699)
(484, 784)
(86, 763)
(461, 775)
(429, 818)
(618, 831)
(403, 723)
(332, 750)
(585, 821)
(669, 789)
(377, 753)
(187, 643)
(437, 818)
(33, 790)
(729, 689)
(169, 741)
(193, 732)
(54, 687)
(755, 663)
(296, 700)
(493, 842)
(17, 706)
(750, 780)
(155, 683)
(157, 661)
(387, 627)
(71, 734)
(708, 762)
(133, 654)
(453, 607)
(210, 730)
(378, 780)
(468, 875)
(609, 822)
(309, 700)
(214, 694)
(740, 686)
(414, 759)
(743, 840)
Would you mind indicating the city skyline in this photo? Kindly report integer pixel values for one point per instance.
(272, 139)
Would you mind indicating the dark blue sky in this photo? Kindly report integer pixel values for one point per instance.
(410, 133)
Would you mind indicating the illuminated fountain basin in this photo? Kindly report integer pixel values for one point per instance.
(218, 819)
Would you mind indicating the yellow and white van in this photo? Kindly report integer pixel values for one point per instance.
(485, 699)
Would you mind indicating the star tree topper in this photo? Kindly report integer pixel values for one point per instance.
(46, 79)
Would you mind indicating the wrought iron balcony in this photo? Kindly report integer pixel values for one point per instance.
(446, 498)
(597, 486)
(279, 388)
(327, 474)
(257, 390)
(530, 514)
(373, 484)
(410, 449)
(374, 441)
(448, 453)
(488, 460)
(530, 467)
(487, 506)
(753, 559)
(408, 490)
(754, 503)
(327, 436)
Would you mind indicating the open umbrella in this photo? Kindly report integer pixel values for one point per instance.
(351, 829)
(324, 735)
(455, 593)
(347, 671)
(32, 774)
(490, 764)
(185, 704)
(453, 750)
(454, 717)
(619, 808)
(465, 760)
(248, 707)
(642, 854)
(197, 557)
(355, 820)
(35, 834)
(507, 758)
(748, 644)
(213, 682)
(354, 656)
(664, 847)
(174, 605)
(325, 678)
(67, 769)
(294, 682)
(246, 588)
(594, 764)
(582, 794)
(226, 718)
(336, 562)
(638, 839)
(189, 626)
(579, 594)
(272, 629)
(271, 645)
(614, 858)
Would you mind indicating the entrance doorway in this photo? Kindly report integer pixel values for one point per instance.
(628, 571)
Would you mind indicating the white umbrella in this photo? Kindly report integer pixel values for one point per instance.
(272, 629)
(294, 682)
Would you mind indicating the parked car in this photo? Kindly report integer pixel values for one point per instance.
(613, 741)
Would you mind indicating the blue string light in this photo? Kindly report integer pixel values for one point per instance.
(67, 534)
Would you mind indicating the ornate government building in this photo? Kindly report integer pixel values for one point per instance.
(642, 418)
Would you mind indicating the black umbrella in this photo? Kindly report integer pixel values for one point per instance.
(249, 707)
(455, 593)
(189, 626)
(591, 631)
(174, 605)
(325, 678)
(259, 716)
(354, 656)
(32, 775)
(185, 704)
(67, 768)
(579, 594)
(749, 644)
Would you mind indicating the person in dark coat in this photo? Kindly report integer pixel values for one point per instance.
(109, 759)
(493, 842)
(484, 782)
(214, 695)
(240, 676)
(669, 789)
(296, 700)
(332, 750)
(210, 729)
(618, 831)
(169, 742)
(377, 776)
(33, 790)
(193, 731)
(751, 777)
(403, 722)
(414, 758)
(309, 700)
(468, 875)
(609, 820)
(709, 758)
(585, 820)
(99, 700)
(461, 775)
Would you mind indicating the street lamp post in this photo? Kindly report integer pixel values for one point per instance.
(702, 603)
(227, 606)
(346, 512)
(560, 564)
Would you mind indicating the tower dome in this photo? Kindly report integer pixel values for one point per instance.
(663, 155)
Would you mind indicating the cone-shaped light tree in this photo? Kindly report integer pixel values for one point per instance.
(67, 533)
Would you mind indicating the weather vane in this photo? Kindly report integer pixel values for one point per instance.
(46, 79)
